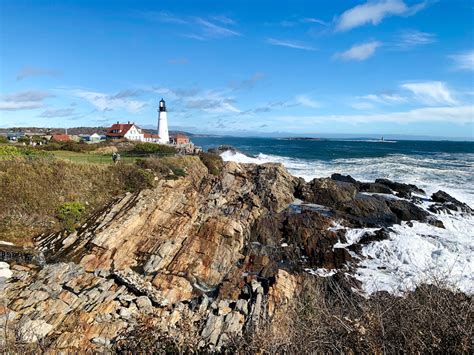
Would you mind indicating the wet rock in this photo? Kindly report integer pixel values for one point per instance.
(447, 203)
(344, 178)
(407, 211)
(403, 190)
(326, 192)
(375, 188)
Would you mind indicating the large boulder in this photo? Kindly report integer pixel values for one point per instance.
(446, 203)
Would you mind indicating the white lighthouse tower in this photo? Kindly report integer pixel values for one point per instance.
(163, 123)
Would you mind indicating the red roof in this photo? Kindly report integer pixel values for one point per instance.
(121, 129)
(60, 137)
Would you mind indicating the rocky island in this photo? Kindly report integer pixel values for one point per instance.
(221, 259)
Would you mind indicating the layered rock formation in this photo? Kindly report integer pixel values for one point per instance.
(203, 254)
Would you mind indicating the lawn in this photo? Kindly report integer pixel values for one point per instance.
(79, 157)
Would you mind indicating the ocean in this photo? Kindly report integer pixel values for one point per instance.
(414, 253)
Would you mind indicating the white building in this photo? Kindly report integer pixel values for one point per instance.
(125, 131)
(163, 123)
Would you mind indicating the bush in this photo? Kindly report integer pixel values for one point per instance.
(3, 140)
(71, 213)
(134, 178)
(213, 162)
(152, 148)
(328, 317)
(9, 152)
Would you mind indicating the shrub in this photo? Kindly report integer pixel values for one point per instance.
(213, 162)
(9, 151)
(3, 140)
(71, 213)
(152, 148)
(134, 178)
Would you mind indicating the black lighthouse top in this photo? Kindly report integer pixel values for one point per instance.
(162, 105)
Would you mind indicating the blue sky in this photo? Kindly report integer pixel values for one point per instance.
(247, 67)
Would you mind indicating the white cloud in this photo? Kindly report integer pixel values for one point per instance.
(374, 12)
(289, 44)
(23, 105)
(211, 101)
(64, 112)
(384, 98)
(212, 30)
(360, 51)
(431, 92)
(305, 100)
(105, 102)
(464, 61)
(413, 38)
(25, 100)
(363, 105)
(451, 114)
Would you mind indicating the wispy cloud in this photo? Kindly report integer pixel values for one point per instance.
(412, 38)
(431, 93)
(290, 44)
(198, 28)
(451, 114)
(24, 100)
(213, 30)
(464, 61)
(224, 19)
(360, 52)
(28, 72)
(307, 101)
(106, 102)
(210, 101)
(374, 12)
(384, 98)
(314, 20)
(247, 84)
(64, 112)
(300, 21)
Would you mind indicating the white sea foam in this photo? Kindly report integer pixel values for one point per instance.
(413, 254)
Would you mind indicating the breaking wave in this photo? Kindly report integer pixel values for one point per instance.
(416, 252)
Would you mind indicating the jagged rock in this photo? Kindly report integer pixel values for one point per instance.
(326, 192)
(281, 292)
(403, 190)
(33, 330)
(213, 328)
(344, 178)
(446, 203)
(144, 303)
(375, 187)
(204, 253)
(138, 284)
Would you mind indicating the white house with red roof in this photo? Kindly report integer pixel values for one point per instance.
(131, 132)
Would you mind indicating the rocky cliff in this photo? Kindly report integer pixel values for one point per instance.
(203, 256)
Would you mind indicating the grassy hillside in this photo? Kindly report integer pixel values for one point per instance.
(50, 190)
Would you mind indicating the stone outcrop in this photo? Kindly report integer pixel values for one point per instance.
(212, 256)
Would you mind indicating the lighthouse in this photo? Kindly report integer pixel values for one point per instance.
(163, 123)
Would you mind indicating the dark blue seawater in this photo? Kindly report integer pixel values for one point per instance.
(335, 149)
(432, 165)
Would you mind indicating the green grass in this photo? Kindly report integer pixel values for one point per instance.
(78, 157)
